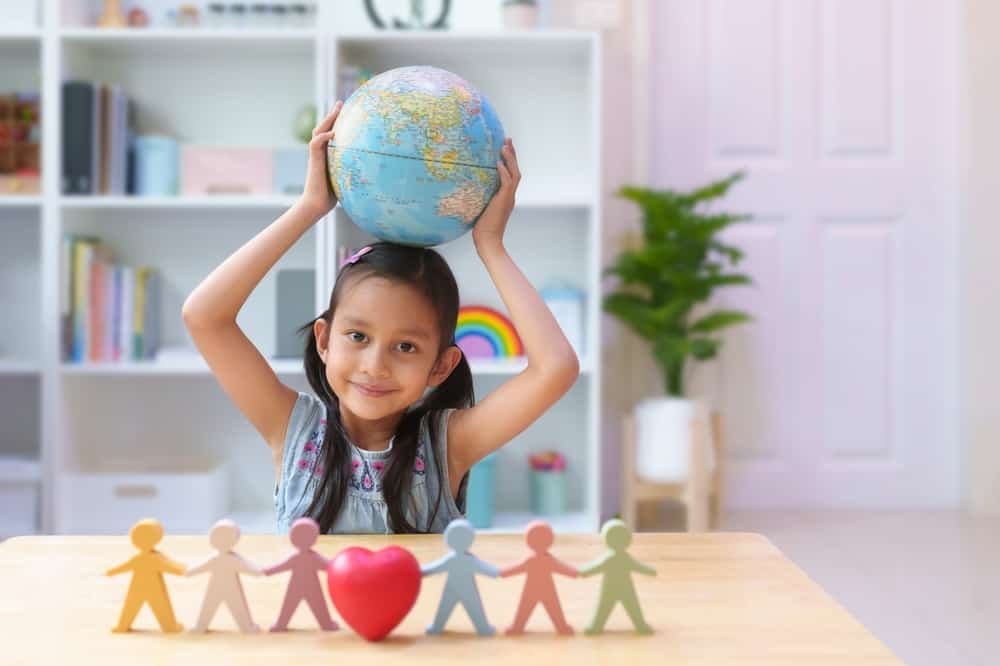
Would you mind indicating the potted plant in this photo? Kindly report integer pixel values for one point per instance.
(679, 265)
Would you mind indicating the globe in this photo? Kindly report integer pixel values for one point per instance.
(413, 156)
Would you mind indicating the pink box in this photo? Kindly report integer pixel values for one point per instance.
(220, 170)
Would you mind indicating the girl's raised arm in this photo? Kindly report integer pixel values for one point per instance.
(210, 310)
(552, 364)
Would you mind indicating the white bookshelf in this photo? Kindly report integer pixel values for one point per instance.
(243, 87)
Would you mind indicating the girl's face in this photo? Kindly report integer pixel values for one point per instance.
(381, 349)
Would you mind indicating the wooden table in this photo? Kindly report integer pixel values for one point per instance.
(719, 598)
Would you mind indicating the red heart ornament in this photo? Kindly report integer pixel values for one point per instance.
(373, 590)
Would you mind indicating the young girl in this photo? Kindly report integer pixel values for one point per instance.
(387, 442)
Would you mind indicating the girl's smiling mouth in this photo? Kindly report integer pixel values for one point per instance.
(370, 390)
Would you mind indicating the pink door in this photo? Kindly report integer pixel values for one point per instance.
(845, 115)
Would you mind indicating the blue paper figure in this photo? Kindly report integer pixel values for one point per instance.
(461, 567)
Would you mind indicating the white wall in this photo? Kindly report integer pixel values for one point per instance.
(980, 258)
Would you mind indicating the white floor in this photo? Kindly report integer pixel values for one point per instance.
(926, 583)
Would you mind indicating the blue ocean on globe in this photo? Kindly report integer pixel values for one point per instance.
(413, 156)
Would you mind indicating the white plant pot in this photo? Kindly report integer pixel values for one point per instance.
(663, 435)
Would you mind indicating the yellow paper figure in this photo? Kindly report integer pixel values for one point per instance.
(147, 586)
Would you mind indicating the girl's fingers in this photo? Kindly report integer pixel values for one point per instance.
(504, 174)
(320, 140)
(510, 157)
(329, 120)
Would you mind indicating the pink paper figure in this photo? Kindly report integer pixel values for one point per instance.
(224, 584)
(304, 583)
(539, 586)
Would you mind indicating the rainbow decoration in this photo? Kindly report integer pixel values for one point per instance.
(485, 333)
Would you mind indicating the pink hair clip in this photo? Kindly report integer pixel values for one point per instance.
(357, 255)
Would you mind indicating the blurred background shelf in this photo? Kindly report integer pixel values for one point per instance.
(19, 36)
(9, 367)
(178, 202)
(263, 522)
(516, 522)
(246, 88)
(20, 200)
(193, 366)
(186, 36)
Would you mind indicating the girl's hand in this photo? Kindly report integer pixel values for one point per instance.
(318, 197)
(492, 223)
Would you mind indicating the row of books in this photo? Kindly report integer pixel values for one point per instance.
(97, 126)
(109, 311)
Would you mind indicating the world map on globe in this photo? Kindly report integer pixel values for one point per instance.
(413, 156)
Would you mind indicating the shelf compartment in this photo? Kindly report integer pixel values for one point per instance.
(186, 245)
(178, 367)
(572, 522)
(276, 203)
(20, 37)
(20, 287)
(239, 92)
(129, 40)
(20, 201)
(13, 367)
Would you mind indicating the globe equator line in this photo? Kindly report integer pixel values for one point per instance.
(410, 157)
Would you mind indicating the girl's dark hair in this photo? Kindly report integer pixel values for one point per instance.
(427, 271)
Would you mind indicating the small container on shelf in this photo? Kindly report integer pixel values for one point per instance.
(299, 15)
(566, 304)
(226, 170)
(548, 483)
(20, 147)
(156, 165)
(279, 16)
(479, 497)
(216, 15)
(238, 15)
(260, 15)
(188, 16)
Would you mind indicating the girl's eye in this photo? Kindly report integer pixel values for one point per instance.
(407, 347)
(354, 336)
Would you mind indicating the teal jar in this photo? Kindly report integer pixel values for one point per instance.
(548, 493)
(480, 494)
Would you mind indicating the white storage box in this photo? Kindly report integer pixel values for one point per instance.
(19, 491)
(183, 498)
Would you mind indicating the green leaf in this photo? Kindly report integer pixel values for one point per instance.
(671, 350)
(711, 191)
(704, 349)
(634, 311)
(719, 320)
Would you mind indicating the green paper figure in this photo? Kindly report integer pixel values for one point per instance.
(617, 566)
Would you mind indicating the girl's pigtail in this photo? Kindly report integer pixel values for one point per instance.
(334, 473)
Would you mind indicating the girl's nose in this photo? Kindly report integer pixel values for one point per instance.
(374, 362)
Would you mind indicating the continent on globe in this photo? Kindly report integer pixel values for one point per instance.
(413, 156)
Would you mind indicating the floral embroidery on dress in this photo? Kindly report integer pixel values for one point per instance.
(366, 475)
(363, 478)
